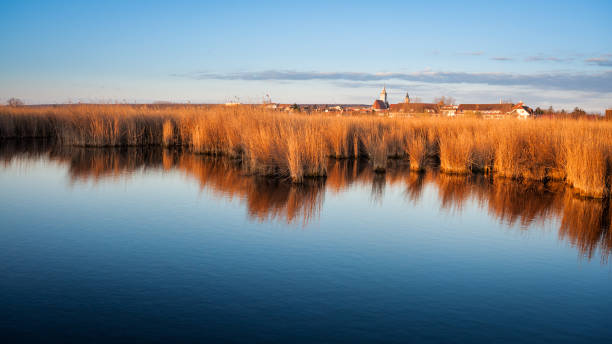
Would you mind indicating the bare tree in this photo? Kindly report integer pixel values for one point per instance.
(444, 100)
(15, 102)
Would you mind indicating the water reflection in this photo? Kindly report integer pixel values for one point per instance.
(584, 223)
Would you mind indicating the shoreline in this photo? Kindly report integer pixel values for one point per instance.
(296, 146)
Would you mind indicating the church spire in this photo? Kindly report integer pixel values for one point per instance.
(383, 95)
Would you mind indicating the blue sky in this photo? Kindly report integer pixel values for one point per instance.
(542, 52)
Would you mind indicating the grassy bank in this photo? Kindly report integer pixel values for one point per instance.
(296, 146)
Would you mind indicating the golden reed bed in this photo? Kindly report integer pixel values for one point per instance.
(298, 146)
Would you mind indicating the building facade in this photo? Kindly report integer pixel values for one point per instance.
(381, 104)
(488, 111)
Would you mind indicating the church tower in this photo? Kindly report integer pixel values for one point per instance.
(383, 96)
(407, 98)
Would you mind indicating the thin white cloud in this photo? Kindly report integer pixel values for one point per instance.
(603, 61)
(595, 82)
(541, 58)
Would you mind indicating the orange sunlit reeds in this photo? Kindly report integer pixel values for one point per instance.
(297, 146)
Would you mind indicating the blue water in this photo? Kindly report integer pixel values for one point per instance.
(112, 246)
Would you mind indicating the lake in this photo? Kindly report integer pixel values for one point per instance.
(153, 245)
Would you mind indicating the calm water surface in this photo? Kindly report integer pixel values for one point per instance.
(138, 245)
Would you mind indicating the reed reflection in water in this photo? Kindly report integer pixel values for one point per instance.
(584, 223)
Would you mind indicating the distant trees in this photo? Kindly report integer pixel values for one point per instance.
(15, 102)
(444, 100)
(578, 112)
(538, 111)
(562, 113)
(295, 107)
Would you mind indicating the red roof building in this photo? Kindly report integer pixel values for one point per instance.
(379, 105)
(415, 108)
(485, 108)
(495, 110)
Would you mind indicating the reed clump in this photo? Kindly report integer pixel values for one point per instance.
(588, 163)
(526, 151)
(340, 138)
(297, 146)
(419, 148)
(374, 136)
(455, 146)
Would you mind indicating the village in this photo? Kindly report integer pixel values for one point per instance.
(409, 108)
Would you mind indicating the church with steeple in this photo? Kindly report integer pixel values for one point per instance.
(381, 103)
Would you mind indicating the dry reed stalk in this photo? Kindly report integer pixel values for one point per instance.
(264, 153)
(375, 144)
(483, 151)
(306, 152)
(519, 155)
(418, 148)
(394, 140)
(455, 150)
(338, 135)
(587, 164)
(168, 134)
(314, 152)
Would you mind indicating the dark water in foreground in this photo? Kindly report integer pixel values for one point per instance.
(101, 245)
